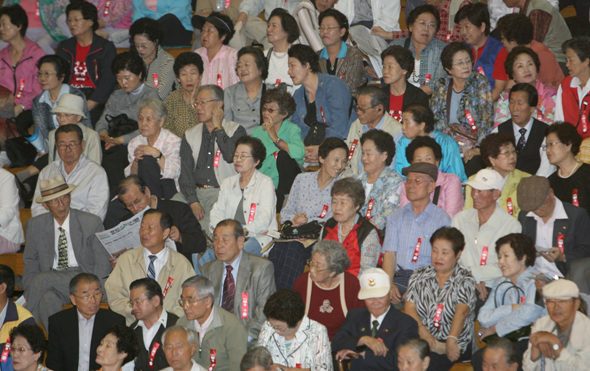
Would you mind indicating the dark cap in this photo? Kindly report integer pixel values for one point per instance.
(421, 167)
(532, 192)
(220, 21)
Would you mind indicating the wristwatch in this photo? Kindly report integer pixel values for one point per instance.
(555, 346)
(159, 157)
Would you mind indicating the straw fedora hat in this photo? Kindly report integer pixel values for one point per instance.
(53, 188)
(70, 103)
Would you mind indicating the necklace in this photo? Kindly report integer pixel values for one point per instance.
(415, 78)
(342, 236)
(571, 172)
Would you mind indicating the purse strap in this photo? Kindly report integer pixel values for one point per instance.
(449, 97)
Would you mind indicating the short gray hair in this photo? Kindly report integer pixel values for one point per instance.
(155, 104)
(336, 257)
(191, 335)
(259, 356)
(216, 91)
(202, 284)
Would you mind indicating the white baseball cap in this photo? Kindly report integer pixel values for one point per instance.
(375, 283)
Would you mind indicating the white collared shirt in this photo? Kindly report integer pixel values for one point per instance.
(72, 262)
(150, 334)
(85, 327)
(380, 318)
(162, 258)
(235, 268)
(582, 92)
(202, 329)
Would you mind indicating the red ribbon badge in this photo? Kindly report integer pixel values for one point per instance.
(37, 9)
(324, 212)
(448, 36)
(298, 365)
(227, 3)
(484, 256)
(323, 117)
(342, 75)
(560, 241)
(539, 114)
(6, 350)
(212, 359)
(352, 148)
(276, 154)
(167, 287)
(217, 157)
(470, 119)
(278, 82)
(575, 200)
(509, 206)
(107, 6)
(153, 355)
(522, 300)
(21, 89)
(584, 117)
(481, 71)
(156, 79)
(219, 82)
(244, 305)
(252, 213)
(438, 316)
(427, 78)
(370, 209)
(417, 250)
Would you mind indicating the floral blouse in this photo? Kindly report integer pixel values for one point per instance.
(545, 108)
(385, 195)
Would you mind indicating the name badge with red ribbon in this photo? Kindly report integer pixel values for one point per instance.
(352, 148)
(438, 316)
(448, 37)
(217, 157)
(252, 213)
(509, 206)
(298, 365)
(107, 7)
(212, 359)
(575, 200)
(484, 256)
(244, 305)
(324, 212)
(153, 355)
(227, 3)
(370, 209)
(428, 78)
(342, 75)
(6, 350)
(219, 81)
(481, 71)
(522, 298)
(323, 117)
(167, 287)
(560, 241)
(539, 114)
(277, 83)
(37, 14)
(276, 155)
(471, 120)
(417, 250)
(156, 79)
(584, 117)
(21, 89)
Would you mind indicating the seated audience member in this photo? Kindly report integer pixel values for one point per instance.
(68, 349)
(462, 104)
(282, 32)
(24, 338)
(573, 98)
(180, 105)
(89, 180)
(76, 249)
(499, 153)
(19, 58)
(482, 225)
(154, 259)
(293, 339)
(306, 14)
(319, 113)
(500, 354)
(219, 60)
(242, 101)
(413, 354)
(559, 230)
(414, 223)
(517, 30)
(249, 197)
(282, 140)
(445, 319)
(327, 290)
(154, 155)
(236, 273)
(11, 229)
(147, 306)
(359, 237)
(222, 339)
(337, 58)
(448, 191)
(174, 17)
(423, 24)
(522, 65)
(117, 348)
(570, 181)
(418, 121)
(146, 35)
(206, 153)
(256, 359)
(559, 340)
(528, 132)
(35, 31)
(182, 345)
(511, 307)
(371, 109)
(89, 57)
(375, 330)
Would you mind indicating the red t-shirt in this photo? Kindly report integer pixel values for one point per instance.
(499, 69)
(396, 103)
(81, 78)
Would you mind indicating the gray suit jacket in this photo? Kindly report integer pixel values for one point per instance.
(40, 246)
(256, 277)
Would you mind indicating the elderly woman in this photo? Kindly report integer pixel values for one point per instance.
(18, 69)
(11, 229)
(256, 359)
(328, 282)
(510, 308)
(499, 154)
(117, 348)
(462, 104)
(242, 101)
(418, 121)
(27, 348)
(188, 69)
(359, 237)
(337, 58)
(522, 66)
(571, 181)
(448, 194)
(306, 14)
(423, 23)
(441, 298)
(281, 32)
(145, 35)
(413, 355)
(295, 341)
(154, 155)
(219, 60)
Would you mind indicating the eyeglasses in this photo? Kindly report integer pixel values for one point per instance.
(88, 297)
(313, 265)
(463, 63)
(270, 110)
(549, 145)
(427, 24)
(45, 74)
(190, 301)
(203, 102)
(20, 349)
(60, 199)
(328, 28)
(241, 157)
(362, 109)
(71, 146)
(135, 302)
(507, 154)
(142, 46)
(281, 330)
(554, 302)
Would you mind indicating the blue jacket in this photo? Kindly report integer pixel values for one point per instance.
(488, 57)
(333, 96)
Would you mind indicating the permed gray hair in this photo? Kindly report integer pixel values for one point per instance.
(155, 104)
(336, 257)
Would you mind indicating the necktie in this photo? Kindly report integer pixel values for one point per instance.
(62, 250)
(375, 328)
(521, 141)
(229, 290)
(151, 273)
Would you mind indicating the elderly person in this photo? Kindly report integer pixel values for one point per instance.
(117, 348)
(24, 339)
(500, 354)
(180, 105)
(413, 355)
(219, 60)
(154, 154)
(11, 230)
(281, 32)
(445, 319)
(323, 286)
(294, 340)
(306, 14)
(462, 104)
(257, 359)
(180, 344)
(560, 340)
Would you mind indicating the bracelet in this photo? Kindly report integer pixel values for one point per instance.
(159, 157)
(278, 141)
(452, 337)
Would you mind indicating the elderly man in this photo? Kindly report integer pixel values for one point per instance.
(60, 244)
(243, 282)
(409, 248)
(207, 152)
(180, 344)
(222, 339)
(75, 333)
(482, 225)
(92, 191)
(560, 341)
(153, 259)
(500, 355)
(371, 109)
(147, 306)
(371, 335)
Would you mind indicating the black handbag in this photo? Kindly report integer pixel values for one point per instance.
(309, 230)
(120, 125)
